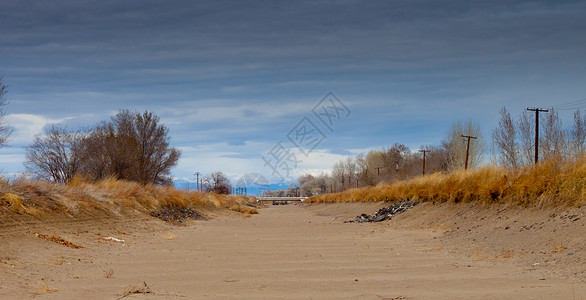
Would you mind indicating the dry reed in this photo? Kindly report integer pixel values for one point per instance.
(552, 182)
(80, 196)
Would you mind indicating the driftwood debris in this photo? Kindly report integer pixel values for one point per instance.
(385, 213)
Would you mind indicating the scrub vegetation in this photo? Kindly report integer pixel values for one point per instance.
(86, 198)
(553, 182)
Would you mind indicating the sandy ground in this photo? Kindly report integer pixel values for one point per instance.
(301, 252)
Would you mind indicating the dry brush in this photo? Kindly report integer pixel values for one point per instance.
(108, 196)
(553, 182)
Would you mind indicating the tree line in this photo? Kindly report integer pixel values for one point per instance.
(512, 146)
(399, 162)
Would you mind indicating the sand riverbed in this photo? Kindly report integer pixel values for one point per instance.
(285, 252)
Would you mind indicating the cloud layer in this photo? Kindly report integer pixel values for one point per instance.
(230, 76)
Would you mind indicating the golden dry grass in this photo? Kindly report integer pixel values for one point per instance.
(24, 196)
(549, 183)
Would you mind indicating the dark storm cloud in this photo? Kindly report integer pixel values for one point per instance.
(383, 34)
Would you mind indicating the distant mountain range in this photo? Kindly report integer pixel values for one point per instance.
(251, 189)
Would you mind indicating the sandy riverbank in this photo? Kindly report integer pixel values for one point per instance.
(303, 252)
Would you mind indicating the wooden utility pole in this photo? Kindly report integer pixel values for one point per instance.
(467, 149)
(537, 111)
(197, 181)
(424, 152)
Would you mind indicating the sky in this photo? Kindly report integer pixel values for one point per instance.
(284, 88)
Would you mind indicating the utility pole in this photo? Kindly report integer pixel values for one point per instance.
(467, 149)
(197, 181)
(537, 111)
(424, 151)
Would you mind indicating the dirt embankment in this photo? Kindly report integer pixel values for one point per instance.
(548, 241)
(39, 250)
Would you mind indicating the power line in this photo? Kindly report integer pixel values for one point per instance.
(581, 103)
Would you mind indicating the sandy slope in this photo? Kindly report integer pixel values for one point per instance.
(285, 252)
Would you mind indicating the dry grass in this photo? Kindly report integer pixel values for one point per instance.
(112, 197)
(550, 183)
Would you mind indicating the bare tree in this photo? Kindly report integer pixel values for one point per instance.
(577, 134)
(437, 160)
(217, 182)
(155, 157)
(525, 133)
(5, 130)
(350, 171)
(339, 177)
(131, 146)
(504, 140)
(312, 185)
(114, 146)
(553, 143)
(55, 155)
(396, 162)
(456, 145)
(376, 163)
(362, 170)
(104, 155)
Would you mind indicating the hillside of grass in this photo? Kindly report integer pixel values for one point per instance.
(552, 182)
(107, 197)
